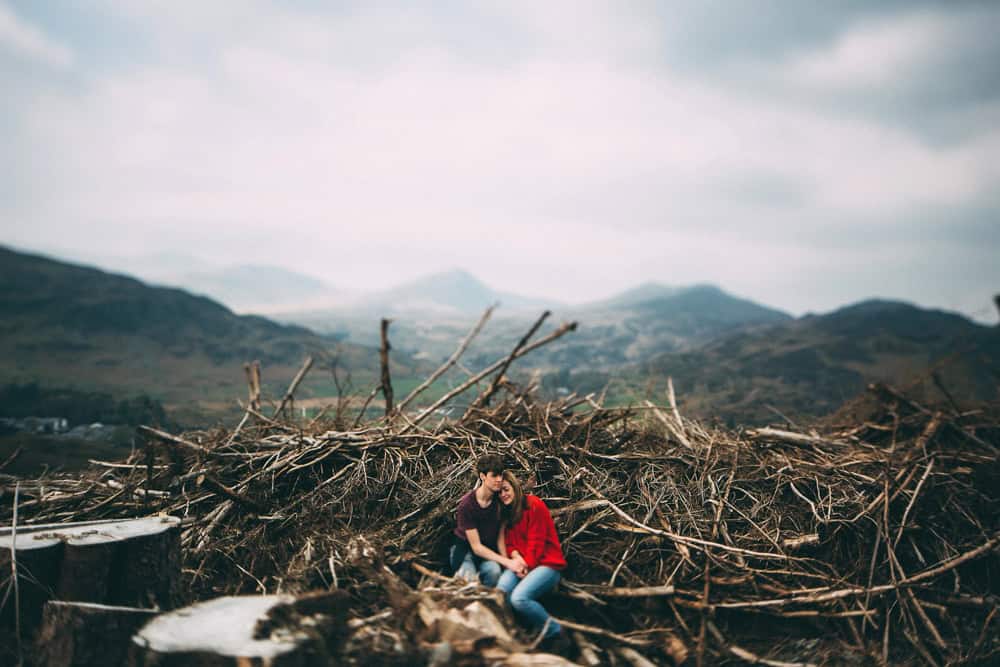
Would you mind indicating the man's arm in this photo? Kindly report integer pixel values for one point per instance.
(483, 551)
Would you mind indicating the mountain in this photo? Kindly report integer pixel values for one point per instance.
(652, 319)
(449, 293)
(808, 367)
(630, 297)
(612, 334)
(258, 288)
(65, 325)
(430, 314)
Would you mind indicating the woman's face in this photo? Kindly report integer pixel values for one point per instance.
(506, 493)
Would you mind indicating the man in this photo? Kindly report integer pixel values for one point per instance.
(474, 554)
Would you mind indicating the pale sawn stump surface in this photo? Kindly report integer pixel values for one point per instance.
(232, 630)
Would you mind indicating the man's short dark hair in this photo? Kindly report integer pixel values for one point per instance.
(490, 463)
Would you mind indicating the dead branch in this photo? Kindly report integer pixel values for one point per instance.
(306, 365)
(386, 383)
(484, 398)
(452, 360)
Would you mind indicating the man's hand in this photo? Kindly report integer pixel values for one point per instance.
(520, 568)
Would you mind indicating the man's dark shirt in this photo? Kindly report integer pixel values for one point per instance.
(472, 516)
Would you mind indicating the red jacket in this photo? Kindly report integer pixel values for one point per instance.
(534, 536)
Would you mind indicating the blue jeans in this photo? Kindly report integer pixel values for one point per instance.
(524, 593)
(470, 567)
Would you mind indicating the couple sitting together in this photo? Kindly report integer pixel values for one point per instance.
(506, 538)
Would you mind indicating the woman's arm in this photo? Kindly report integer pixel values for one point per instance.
(536, 514)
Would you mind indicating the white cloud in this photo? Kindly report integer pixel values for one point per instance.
(291, 143)
(873, 54)
(891, 53)
(30, 42)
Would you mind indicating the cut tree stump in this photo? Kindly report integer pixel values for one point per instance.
(130, 562)
(83, 634)
(272, 630)
(37, 573)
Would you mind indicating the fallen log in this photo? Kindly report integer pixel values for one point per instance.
(638, 592)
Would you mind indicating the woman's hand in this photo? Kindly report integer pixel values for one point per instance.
(518, 566)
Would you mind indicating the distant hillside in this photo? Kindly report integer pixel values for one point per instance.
(635, 295)
(626, 329)
(455, 293)
(260, 288)
(66, 325)
(639, 324)
(810, 366)
(430, 315)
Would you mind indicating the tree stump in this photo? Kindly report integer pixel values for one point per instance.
(273, 630)
(132, 562)
(83, 634)
(37, 573)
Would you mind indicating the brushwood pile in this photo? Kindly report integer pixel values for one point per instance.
(870, 541)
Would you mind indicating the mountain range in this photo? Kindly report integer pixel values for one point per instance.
(72, 326)
(431, 314)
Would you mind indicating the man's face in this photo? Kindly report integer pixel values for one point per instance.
(492, 480)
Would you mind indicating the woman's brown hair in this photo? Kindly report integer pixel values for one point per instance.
(511, 514)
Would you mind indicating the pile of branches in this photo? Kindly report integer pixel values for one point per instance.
(685, 542)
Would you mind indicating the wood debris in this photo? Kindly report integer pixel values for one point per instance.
(684, 541)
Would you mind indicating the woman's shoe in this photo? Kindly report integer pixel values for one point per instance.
(559, 644)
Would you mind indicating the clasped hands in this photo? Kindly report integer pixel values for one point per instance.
(518, 566)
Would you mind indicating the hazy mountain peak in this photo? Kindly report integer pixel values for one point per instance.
(459, 273)
(702, 288)
(451, 278)
(647, 291)
(452, 291)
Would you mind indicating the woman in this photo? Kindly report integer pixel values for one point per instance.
(527, 532)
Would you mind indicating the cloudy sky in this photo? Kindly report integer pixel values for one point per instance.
(806, 155)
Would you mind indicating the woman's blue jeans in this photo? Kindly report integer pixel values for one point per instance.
(524, 593)
(471, 567)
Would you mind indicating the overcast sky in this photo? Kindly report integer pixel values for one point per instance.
(805, 155)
